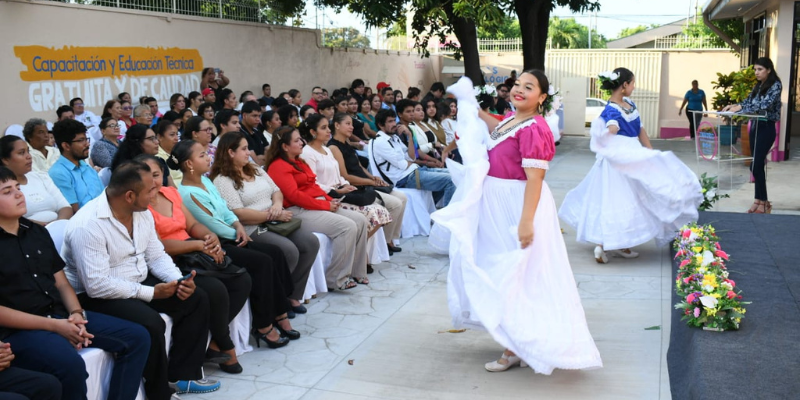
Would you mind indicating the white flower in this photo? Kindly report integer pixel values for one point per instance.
(725, 274)
(477, 91)
(710, 194)
(613, 76)
(709, 301)
(708, 258)
(490, 90)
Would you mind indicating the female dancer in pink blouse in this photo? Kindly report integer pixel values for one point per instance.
(509, 270)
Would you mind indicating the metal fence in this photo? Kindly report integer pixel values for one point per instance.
(237, 10)
(511, 45)
(686, 42)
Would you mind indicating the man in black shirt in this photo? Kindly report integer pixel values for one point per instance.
(249, 120)
(41, 317)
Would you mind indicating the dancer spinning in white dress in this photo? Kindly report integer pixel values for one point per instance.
(633, 193)
(509, 271)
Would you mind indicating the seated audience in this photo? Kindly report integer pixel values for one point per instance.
(214, 79)
(426, 139)
(288, 115)
(112, 109)
(246, 96)
(255, 199)
(319, 158)
(306, 111)
(22, 384)
(249, 120)
(199, 130)
(83, 115)
(359, 128)
(118, 266)
(270, 121)
(367, 92)
(367, 118)
(418, 147)
(168, 137)
(446, 112)
(77, 180)
(316, 97)
(430, 123)
(124, 96)
(267, 90)
(210, 97)
(228, 99)
(42, 319)
(436, 93)
(194, 102)
(141, 140)
(127, 114)
(153, 104)
(177, 102)
(227, 289)
(414, 94)
(45, 202)
(65, 112)
(183, 116)
(143, 115)
(397, 167)
(356, 174)
(357, 90)
(318, 211)
(206, 110)
(327, 108)
(35, 133)
(264, 262)
(104, 150)
(398, 95)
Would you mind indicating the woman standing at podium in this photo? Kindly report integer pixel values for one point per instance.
(764, 100)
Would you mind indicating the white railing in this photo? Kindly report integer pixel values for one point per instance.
(686, 42)
(237, 10)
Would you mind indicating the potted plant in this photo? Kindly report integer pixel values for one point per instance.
(733, 88)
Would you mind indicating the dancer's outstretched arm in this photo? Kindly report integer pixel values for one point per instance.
(490, 121)
(644, 139)
(533, 191)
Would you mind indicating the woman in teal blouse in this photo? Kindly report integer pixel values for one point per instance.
(696, 98)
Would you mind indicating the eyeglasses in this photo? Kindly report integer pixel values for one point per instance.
(209, 130)
(81, 141)
(112, 126)
(153, 139)
(127, 108)
(147, 115)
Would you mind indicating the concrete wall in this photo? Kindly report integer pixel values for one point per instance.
(250, 54)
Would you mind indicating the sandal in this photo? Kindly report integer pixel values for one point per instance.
(348, 285)
(761, 209)
(768, 207)
(361, 281)
(754, 207)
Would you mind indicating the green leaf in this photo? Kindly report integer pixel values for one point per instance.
(653, 328)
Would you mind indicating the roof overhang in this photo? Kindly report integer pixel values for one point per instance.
(727, 9)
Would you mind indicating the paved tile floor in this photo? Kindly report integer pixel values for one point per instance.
(388, 340)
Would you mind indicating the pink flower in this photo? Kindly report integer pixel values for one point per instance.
(684, 263)
(696, 312)
(680, 253)
(718, 246)
(686, 280)
(722, 254)
(733, 284)
(731, 294)
(687, 233)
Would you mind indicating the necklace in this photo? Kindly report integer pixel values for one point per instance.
(498, 134)
(627, 111)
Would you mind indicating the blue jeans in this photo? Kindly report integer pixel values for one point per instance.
(437, 180)
(22, 384)
(51, 353)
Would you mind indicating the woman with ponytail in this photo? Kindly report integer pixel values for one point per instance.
(632, 194)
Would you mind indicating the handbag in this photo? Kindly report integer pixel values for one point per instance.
(384, 189)
(281, 228)
(205, 265)
(362, 196)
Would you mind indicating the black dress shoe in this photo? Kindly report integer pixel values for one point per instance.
(291, 333)
(231, 369)
(369, 269)
(301, 309)
(393, 249)
(216, 357)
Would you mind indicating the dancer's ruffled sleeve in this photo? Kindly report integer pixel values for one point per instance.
(612, 116)
(536, 145)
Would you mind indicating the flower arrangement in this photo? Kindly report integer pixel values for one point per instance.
(486, 89)
(710, 194)
(709, 298)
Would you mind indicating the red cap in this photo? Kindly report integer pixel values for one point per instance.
(382, 85)
(207, 91)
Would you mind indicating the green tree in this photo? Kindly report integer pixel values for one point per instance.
(733, 28)
(507, 29)
(564, 33)
(625, 32)
(345, 37)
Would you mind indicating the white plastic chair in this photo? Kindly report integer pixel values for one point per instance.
(105, 175)
(316, 280)
(56, 230)
(420, 205)
(14, 130)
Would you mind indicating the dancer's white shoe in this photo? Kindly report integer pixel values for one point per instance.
(496, 366)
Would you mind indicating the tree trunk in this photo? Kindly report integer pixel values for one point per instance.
(534, 19)
(467, 34)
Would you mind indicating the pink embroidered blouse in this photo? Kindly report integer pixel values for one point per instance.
(529, 145)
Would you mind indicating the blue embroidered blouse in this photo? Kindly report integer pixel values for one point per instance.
(628, 121)
(768, 104)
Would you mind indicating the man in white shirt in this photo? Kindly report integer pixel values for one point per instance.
(117, 264)
(82, 115)
(391, 157)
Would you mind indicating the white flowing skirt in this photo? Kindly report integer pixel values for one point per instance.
(631, 195)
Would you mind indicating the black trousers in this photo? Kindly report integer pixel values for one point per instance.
(190, 321)
(760, 143)
(22, 384)
(226, 297)
(272, 282)
(694, 121)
